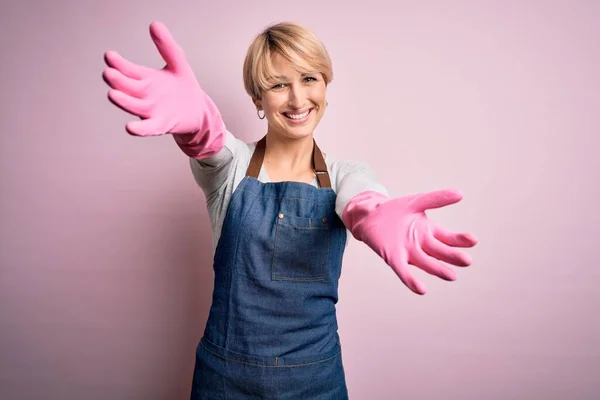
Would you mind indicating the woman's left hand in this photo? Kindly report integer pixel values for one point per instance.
(399, 231)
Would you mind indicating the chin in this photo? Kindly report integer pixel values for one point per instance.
(298, 132)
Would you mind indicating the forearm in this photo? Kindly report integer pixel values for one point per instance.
(356, 178)
(209, 139)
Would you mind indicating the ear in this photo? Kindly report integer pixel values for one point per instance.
(257, 104)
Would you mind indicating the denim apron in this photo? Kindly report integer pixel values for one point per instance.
(272, 327)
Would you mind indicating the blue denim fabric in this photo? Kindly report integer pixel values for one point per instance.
(272, 327)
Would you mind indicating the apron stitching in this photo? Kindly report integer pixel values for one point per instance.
(233, 271)
(269, 366)
(287, 197)
(306, 228)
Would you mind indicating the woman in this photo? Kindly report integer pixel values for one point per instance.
(280, 212)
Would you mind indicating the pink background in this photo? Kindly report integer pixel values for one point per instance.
(106, 278)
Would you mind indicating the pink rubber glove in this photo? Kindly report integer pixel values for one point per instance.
(167, 100)
(399, 232)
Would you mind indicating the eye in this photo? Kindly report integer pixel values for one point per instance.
(278, 86)
(310, 79)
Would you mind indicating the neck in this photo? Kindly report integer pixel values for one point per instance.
(288, 154)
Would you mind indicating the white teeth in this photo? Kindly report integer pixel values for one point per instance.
(297, 116)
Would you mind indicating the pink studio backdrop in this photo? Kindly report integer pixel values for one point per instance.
(105, 245)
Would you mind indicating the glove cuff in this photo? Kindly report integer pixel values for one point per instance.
(362, 211)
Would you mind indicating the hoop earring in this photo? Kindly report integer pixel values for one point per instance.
(258, 113)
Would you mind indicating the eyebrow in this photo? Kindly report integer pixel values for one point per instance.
(285, 78)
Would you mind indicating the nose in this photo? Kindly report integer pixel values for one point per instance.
(297, 96)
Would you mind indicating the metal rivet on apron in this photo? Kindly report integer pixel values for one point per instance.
(280, 215)
(324, 220)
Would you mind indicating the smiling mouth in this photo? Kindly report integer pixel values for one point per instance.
(297, 116)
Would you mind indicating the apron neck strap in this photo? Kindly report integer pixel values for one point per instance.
(318, 163)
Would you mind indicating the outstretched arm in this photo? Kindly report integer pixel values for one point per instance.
(170, 101)
(398, 229)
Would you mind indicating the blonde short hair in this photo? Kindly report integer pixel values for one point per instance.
(295, 43)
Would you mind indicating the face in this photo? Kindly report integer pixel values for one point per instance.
(295, 101)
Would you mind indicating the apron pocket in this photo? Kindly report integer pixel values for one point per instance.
(301, 249)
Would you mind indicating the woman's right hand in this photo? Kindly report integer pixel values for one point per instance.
(168, 100)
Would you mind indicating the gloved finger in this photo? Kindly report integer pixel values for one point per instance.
(168, 48)
(454, 239)
(400, 266)
(436, 199)
(116, 80)
(443, 252)
(146, 127)
(126, 67)
(132, 105)
(419, 259)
